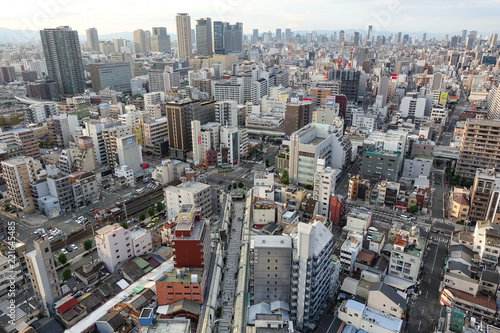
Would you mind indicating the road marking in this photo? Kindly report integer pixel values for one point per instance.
(419, 324)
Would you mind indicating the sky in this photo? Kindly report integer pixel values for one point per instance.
(433, 16)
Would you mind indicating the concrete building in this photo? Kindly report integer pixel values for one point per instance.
(10, 273)
(271, 266)
(383, 155)
(313, 246)
(226, 113)
(312, 142)
(43, 275)
(160, 40)
(297, 115)
(40, 112)
(369, 320)
(110, 137)
(419, 166)
(473, 153)
(168, 171)
(324, 186)
(349, 250)
(63, 57)
(61, 129)
(114, 244)
(204, 37)
(140, 44)
(184, 43)
(229, 92)
(18, 173)
(92, 39)
(206, 142)
(413, 107)
(197, 194)
(128, 152)
(406, 255)
(485, 196)
(115, 76)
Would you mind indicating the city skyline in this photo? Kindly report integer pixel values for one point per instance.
(383, 15)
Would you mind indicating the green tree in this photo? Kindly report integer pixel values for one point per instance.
(267, 162)
(66, 274)
(240, 185)
(229, 187)
(285, 181)
(124, 225)
(137, 96)
(62, 259)
(151, 211)
(412, 209)
(6, 207)
(159, 206)
(142, 216)
(87, 244)
(235, 186)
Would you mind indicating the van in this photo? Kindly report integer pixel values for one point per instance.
(140, 191)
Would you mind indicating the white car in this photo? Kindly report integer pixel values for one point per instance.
(74, 247)
(64, 251)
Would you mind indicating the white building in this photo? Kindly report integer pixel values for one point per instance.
(413, 107)
(406, 255)
(226, 113)
(324, 186)
(312, 272)
(368, 319)
(142, 243)
(228, 92)
(312, 142)
(439, 114)
(349, 250)
(40, 112)
(168, 171)
(419, 166)
(205, 137)
(128, 152)
(197, 194)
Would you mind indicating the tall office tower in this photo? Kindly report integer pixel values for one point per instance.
(424, 36)
(356, 38)
(160, 40)
(406, 38)
(204, 44)
(454, 41)
(398, 38)
(92, 39)
(140, 41)
(271, 260)
(370, 34)
(43, 275)
(463, 35)
(255, 34)
(115, 76)
(493, 39)
(383, 89)
(314, 246)
(226, 113)
(106, 48)
(473, 152)
(471, 38)
(233, 37)
(184, 44)
(118, 43)
(219, 31)
(18, 173)
(278, 34)
(341, 36)
(61, 49)
(147, 36)
(288, 34)
(297, 115)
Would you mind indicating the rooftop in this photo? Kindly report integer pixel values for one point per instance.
(178, 325)
(173, 275)
(381, 319)
(261, 241)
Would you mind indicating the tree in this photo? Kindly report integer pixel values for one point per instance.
(229, 187)
(235, 186)
(87, 244)
(136, 96)
(6, 207)
(267, 162)
(66, 274)
(124, 225)
(240, 185)
(285, 181)
(62, 259)
(412, 209)
(159, 206)
(151, 211)
(142, 216)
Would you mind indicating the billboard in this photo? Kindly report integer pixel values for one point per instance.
(394, 76)
(330, 100)
(443, 98)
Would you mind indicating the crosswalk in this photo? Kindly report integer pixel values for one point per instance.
(18, 312)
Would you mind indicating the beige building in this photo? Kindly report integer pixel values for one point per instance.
(114, 245)
(18, 172)
(459, 203)
(153, 132)
(42, 271)
(110, 136)
(184, 43)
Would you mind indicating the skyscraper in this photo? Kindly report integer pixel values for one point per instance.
(424, 37)
(370, 34)
(278, 34)
(184, 44)
(233, 37)
(255, 34)
(204, 44)
(92, 39)
(219, 29)
(63, 57)
(463, 35)
(288, 34)
(471, 38)
(140, 41)
(160, 40)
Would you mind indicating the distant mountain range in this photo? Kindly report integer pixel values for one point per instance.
(8, 36)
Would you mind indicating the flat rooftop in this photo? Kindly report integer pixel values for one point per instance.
(261, 241)
(388, 322)
(172, 275)
(168, 326)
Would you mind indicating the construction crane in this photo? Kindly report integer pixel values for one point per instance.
(350, 59)
(339, 62)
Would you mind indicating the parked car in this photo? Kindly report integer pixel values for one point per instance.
(74, 247)
(64, 251)
(154, 219)
(150, 225)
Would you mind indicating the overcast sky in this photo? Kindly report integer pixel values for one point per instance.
(433, 16)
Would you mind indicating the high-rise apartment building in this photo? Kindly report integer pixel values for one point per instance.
(485, 196)
(110, 137)
(61, 48)
(204, 37)
(324, 186)
(479, 147)
(297, 115)
(92, 39)
(140, 44)
(115, 76)
(42, 270)
(18, 172)
(226, 113)
(184, 43)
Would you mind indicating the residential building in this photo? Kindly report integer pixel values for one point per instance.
(42, 271)
(194, 193)
(271, 269)
(359, 188)
(297, 115)
(184, 43)
(413, 107)
(365, 318)
(110, 137)
(18, 172)
(40, 112)
(324, 186)
(63, 57)
(349, 250)
(485, 196)
(229, 92)
(128, 152)
(385, 299)
(406, 255)
(459, 203)
(226, 113)
(10, 273)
